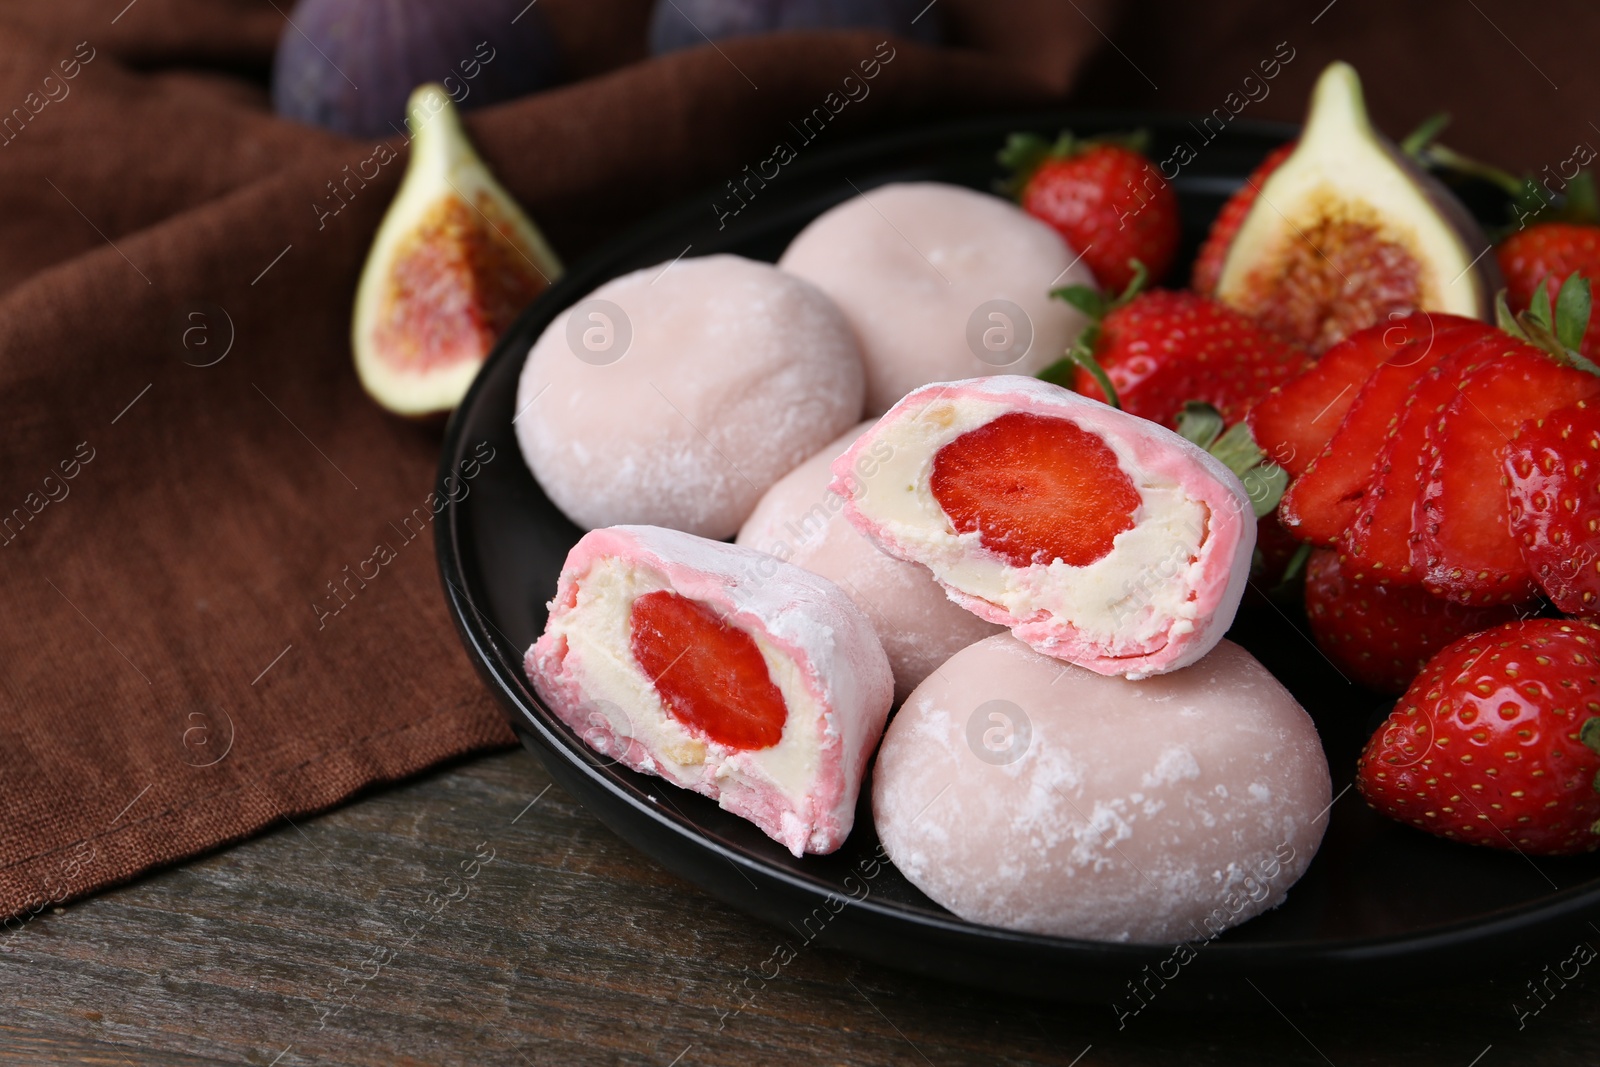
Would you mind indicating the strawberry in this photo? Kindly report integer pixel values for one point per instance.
(1379, 540)
(1550, 252)
(1151, 352)
(1295, 422)
(1381, 635)
(1323, 502)
(1208, 264)
(711, 675)
(1494, 743)
(1465, 521)
(1035, 489)
(1103, 195)
(1553, 469)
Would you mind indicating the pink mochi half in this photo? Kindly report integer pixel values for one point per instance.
(821, 654)
(1159, 600)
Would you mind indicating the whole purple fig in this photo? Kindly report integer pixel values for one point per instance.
(349, 65)
(679, 24)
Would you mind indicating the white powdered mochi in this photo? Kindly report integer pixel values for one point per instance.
(800, 520)
(1026, 793)
(682, 392)
(924, 272)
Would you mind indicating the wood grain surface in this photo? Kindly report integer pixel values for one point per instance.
(478, 916)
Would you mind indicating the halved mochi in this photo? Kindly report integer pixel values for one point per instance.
(1099, 538)
(721, 669)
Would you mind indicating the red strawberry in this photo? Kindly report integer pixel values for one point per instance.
(1208, 264)
(1553, 469)
(1104, 196)
(1295, 422)
(1549, 253)
(1379, 541)
(1036, 489)
(1493, 743)
(1464, 520)
(1164, 348)
(1381, 635)
(1323, 502)
(710, 674)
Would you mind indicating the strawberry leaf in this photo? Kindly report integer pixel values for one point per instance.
(1297, 563)
(1264, 481)
(1135, 284)
(1022, 154)
(1082, 355)
(1589, 733)
(1504, 319)
(1572, 311)
(1085, 298)
(1539, 307)
(1200, 423)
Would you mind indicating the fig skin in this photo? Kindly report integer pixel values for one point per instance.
(1416, 248)
(452, 265)
(389, 47)
(687, 23)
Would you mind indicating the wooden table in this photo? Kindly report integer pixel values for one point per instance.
(479, 916)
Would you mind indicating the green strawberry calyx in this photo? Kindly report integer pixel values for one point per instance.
(1589, 734)
(1559, 337)
(1264, 481)
(1096, 306)
(1024, 153)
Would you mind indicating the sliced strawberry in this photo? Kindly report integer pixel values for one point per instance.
(1553, 469)
(1381, 635)
(1322, 503)
(1295, 422)
(1379, 542)
(711, 676)
(1466, 539)
(1035, 489)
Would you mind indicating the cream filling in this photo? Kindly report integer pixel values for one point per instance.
(1138, 591)
(598, 633)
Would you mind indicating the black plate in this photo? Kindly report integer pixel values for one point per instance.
(1381, 904)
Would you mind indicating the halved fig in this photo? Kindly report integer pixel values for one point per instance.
(1348, 231)
(452, 264)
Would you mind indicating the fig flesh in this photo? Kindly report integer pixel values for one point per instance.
(453, 263)
(1348, 231)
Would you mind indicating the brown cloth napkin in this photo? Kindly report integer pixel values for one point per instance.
(189, 465)
(166, 684)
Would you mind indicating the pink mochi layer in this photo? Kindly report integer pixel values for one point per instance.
(1216, 576)
(804, 616)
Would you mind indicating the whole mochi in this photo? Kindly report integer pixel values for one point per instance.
(734, 373)
(800, 521)
(913, 264)
(1025, 793)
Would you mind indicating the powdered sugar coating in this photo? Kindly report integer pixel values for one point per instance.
(801, 520)
(1154, 811)
(735, 373)
(806, 619)
(910, 263)
(1155, 603)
